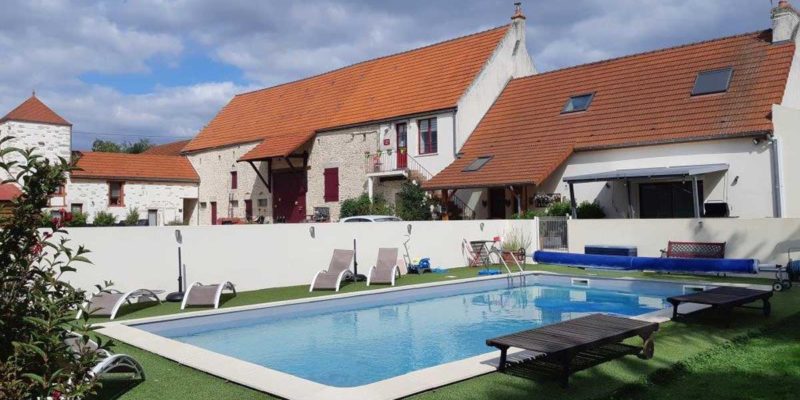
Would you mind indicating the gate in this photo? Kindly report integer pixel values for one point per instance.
(553, 233)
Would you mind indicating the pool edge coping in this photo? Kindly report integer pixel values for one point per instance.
(290, 386)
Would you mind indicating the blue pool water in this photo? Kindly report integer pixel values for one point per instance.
(359, 341)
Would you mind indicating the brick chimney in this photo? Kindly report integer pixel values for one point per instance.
(785, 21)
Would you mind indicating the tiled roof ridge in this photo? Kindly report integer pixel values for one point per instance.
(321, 74)
(646, 53)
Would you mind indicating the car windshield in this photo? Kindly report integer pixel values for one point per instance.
(357, 220)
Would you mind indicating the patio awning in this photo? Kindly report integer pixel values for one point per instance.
(644, 173)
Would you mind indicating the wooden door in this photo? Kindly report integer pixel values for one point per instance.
(213, 213)
(402, 146)
(289, 196)
(248, 210)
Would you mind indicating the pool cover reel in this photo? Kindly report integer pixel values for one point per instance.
(626, 263)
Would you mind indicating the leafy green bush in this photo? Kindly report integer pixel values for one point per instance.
(517, 238)
(103, 218)
(413, 203)
(530, 214)
(37, 307)
(592, 210)
(78, 219)
(362, 206)
(132, 219)
(559, 209)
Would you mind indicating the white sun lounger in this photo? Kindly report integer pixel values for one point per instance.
(205, 295)
(109, 362)
(338, 269)
(386, 269)
(108, 302)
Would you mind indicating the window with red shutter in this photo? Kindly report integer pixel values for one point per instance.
(331, 184)
(234, 179)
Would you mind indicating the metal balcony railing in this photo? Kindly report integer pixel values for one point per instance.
(386, 162)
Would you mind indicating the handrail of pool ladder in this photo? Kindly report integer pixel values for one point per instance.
(510, 275)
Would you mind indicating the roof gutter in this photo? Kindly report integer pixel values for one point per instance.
(763, 134)
(135, 178)
(476, 185)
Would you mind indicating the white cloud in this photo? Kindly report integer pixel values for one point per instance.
(49, 44)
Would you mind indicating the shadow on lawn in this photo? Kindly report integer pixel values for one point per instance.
(114, 388)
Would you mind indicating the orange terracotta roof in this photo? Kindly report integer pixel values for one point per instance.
(284, 117)
(168, 149)
(144, 167)
(33, 110)
(639, 100)
(9, 191)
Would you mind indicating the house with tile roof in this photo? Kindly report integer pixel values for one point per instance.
(295, 150)
(168, 149)
(162, 188)
(161, 185)
(705, 129)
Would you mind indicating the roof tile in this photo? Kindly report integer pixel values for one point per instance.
(145, 167)
(286, 116)
(33, 110)
(640, 99)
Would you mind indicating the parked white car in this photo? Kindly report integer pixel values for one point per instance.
(371, 218)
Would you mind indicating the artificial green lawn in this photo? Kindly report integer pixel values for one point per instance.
(699, 346)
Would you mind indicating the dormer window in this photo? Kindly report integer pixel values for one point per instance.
(578, 103)
(709, 82)
(478, 164)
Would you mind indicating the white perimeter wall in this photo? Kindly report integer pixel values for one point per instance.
(263, 256)
(764, 239)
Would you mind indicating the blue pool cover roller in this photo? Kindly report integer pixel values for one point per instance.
(626, 263)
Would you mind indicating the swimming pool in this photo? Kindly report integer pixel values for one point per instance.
(360, 340)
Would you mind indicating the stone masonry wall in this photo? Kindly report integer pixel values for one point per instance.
(165, 197)
(51, 141)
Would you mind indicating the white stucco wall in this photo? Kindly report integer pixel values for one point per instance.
(165, 197)
(786, 123)
(749, 196)
(498, 71)
(264, 256)
(766, 239)
(50, 141)
(432, 162)
(214, 168)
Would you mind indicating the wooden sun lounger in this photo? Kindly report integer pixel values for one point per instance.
(571, 346)
(724, 298)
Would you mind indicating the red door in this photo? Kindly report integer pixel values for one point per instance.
(248, 210)
(289, 196)
(402, 146)
(213, 213)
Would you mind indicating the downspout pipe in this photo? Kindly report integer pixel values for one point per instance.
(778, 189)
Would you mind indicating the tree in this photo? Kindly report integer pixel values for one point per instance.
(37, 307)
(107, 146)
(362, 206)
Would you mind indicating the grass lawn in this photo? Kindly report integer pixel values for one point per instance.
(691, 357)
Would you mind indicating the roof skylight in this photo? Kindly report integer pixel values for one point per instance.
(708, 82)
(578, 103)
(478, 164)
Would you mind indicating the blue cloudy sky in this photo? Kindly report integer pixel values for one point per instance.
(124, 69)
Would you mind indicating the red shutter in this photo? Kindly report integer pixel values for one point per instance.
(234, 179)
(331, 184)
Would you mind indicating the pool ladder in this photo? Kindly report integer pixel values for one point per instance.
(511, 275)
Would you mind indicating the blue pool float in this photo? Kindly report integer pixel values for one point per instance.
(485, 272)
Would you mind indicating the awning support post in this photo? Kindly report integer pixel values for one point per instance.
(696, 196)
(261, 177)
(630, 205)
(370, 188)
(572, 201)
